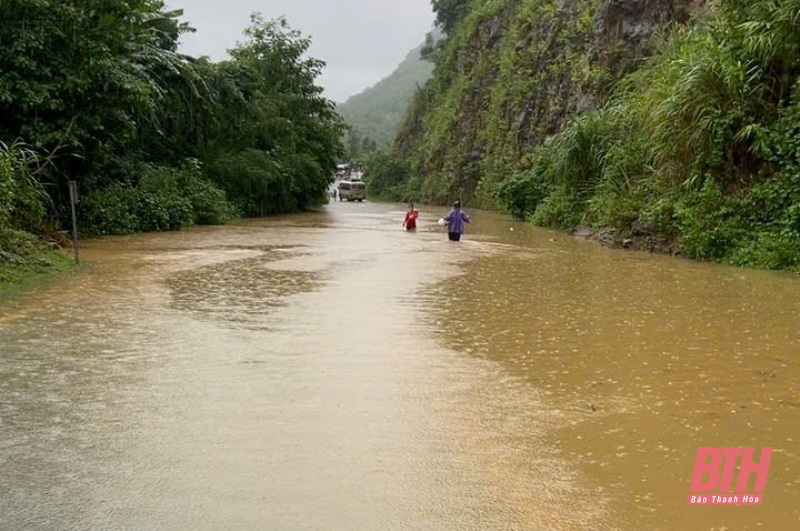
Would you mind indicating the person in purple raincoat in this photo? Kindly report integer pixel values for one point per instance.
(455, 220)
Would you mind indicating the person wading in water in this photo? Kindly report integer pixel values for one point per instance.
(455, 220)
(410, 223)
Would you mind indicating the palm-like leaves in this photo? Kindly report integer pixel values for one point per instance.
(22, 196)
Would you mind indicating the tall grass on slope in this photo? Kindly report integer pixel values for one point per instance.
(699, 144)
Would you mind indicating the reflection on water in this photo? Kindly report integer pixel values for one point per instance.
(331, 371)
(650, 358)
(242, 291)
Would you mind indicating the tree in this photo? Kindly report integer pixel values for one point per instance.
(274, 106)
(83, 75)
(143, 127)
(449, 13)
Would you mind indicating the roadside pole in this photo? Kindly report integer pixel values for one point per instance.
(73, 200)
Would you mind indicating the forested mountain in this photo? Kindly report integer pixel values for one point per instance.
(375, 114)
(97, 92)
(670, 124)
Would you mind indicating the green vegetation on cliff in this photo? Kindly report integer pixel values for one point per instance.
(508, 75)
(667, 127)
(97, 92)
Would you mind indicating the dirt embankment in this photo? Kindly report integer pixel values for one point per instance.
(640, 238)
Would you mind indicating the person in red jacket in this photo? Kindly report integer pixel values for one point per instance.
(410, 223)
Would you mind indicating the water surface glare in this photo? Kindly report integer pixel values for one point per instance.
(329, 371)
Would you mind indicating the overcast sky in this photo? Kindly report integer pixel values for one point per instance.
(361, 41)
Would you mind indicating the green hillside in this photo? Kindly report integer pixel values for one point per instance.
(670, 124)
(376, 113)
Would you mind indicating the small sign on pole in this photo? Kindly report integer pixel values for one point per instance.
(74, 200)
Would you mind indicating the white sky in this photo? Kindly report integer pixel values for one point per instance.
(361, 41)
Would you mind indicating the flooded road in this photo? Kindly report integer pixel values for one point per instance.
(330, 371)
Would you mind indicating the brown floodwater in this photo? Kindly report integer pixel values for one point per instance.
(330, 371)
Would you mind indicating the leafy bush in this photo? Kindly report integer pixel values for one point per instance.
(522, 193)
(23, 200)
(709, 223)
(257, 181)
(391, 178)
(759, 224)
(210, 205)
(768, 250)
(562, 209)
(411, 191)
(160, 203)
(565, 173)
(164, 199)
(17, 246)
(111, 211)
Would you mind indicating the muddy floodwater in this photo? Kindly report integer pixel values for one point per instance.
(329, 371)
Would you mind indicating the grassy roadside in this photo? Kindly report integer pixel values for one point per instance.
(30, 261)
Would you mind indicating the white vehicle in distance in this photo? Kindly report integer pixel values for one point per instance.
(352, 191)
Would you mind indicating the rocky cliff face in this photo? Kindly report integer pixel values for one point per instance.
(626, 27)
(512, 74)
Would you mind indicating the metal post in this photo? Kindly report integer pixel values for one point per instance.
(73, 200)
